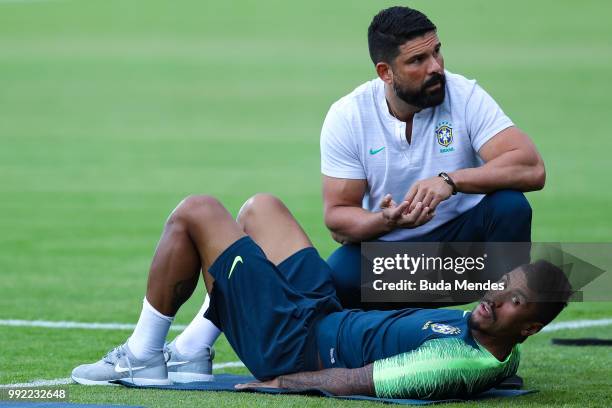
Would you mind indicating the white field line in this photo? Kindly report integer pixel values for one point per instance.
(572, 324)
(76, 325)
(39, 383)
(64, 381)
(229, 364)
(87, 326)
(576, 324)
(23, 1)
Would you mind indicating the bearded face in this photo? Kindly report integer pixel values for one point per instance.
(417, 72)
(429, 93)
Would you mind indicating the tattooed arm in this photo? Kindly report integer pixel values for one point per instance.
(338, 381)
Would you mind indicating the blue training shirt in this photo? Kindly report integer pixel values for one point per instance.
(355, 338)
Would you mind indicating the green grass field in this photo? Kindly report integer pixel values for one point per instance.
(112, 111)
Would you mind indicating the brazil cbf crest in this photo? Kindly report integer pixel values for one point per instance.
(444, 136)
(441, 328)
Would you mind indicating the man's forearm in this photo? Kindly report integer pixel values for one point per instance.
(338, 381)
(508, 171)
(355, 224)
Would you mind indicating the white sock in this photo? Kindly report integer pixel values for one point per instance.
(200, 333)
(150, 332)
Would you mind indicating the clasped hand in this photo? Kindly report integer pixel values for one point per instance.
(430, 192)
(418, 206)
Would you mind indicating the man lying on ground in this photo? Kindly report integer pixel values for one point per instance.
(272, 296)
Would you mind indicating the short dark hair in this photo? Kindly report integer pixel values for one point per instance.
(391, 28)
(551, 286)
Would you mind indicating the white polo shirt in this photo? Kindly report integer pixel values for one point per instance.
(361, 140)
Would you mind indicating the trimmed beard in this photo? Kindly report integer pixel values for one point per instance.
(423, 98)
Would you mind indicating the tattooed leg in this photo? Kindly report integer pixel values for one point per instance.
(195, 234)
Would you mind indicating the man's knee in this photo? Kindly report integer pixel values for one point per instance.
(511, 204)
(195, 207)
(257, 205)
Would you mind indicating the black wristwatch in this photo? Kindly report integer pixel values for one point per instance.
(449, 181)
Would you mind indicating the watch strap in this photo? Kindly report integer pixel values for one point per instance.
(449, 181)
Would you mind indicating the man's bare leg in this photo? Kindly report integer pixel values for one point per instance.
(196, 233)
(272, 226)
(268, 221)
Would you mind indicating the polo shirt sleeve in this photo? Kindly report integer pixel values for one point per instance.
(484, 117)
(339, 153)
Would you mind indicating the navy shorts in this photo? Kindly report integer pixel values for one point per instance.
(268, 312)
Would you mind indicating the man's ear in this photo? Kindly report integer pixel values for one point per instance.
(384, 72)
(531, 328)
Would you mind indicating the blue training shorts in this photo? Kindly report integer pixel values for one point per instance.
(268, 312)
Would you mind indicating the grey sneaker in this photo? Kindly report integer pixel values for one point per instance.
(183, 369)
(120, 364)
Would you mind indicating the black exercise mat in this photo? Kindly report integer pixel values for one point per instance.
(226, 382)
(585, 341)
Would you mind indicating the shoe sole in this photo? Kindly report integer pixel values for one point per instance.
(135, 381)
(182, 377)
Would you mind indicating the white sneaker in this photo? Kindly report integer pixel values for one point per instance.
(120, 364)
(185, 369)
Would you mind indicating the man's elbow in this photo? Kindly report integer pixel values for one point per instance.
(331, 223)
(537, 177)
(335, 227)
(328, 219)
(339, 238)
